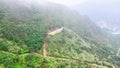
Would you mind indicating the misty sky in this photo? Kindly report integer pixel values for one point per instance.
(97, 10)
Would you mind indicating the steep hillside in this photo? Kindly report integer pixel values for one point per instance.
(24, 26)
(51, 14)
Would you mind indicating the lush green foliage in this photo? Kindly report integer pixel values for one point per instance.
(30, 34)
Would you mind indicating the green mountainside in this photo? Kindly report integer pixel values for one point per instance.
(81, 44)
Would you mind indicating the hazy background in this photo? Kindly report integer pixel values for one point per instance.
(106, 11)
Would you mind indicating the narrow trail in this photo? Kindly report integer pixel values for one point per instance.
(70, 59)
(60, 58)
(57, 58)
(113, 66)
(1, 32)
(118, 52)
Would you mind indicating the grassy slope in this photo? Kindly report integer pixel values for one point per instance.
(71, 46)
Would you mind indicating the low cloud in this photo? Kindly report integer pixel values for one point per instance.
(69, 2)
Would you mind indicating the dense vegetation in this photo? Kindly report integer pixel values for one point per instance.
(81, 44)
